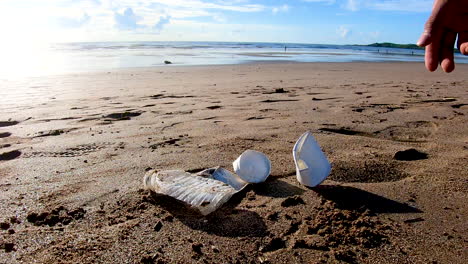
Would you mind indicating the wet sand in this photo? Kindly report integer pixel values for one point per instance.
(74, 149)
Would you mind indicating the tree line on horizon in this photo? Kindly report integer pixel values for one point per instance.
(399, 46)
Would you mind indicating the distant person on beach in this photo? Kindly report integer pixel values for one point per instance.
(448, 19)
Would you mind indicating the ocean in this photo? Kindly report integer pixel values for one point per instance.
(107, 56)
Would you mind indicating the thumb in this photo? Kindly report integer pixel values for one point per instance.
(425, 39)
(463, 42)
(432, 23)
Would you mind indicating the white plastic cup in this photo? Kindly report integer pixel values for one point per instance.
(252, 166)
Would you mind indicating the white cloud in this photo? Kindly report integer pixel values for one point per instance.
(383, 5)
(164, 20)
(69, 22)
(375, 34)
(344, 31)
(278, 9)
(352, 5)
(128, 20)
(389, 5)
(219, 18)
(195, 4)
(60, 19)
(403, 5)
(193, 30)
(321, 1)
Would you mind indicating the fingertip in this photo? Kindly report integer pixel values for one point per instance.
(464, 49)
(462, 43)
(431, 57)
(448, 66)
(431, 67)
(424, 40)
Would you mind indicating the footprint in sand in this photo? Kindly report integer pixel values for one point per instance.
(78, 108)
(379, 108)
(458, 105)
(441, 100)
(161, 96)
(179, 112)
(276, 91)
(323, 99)
(59, 215)
(107, 98)
(438, 100)
(5, 134)
(212, 107)
(182, 139)
(8, 123)
(10, 155)
(53, 132)
(77, 151)
(366, 171)
(127, 115)
(417, 131)
(345, 131)
(278, 100)
(255, 118)
(59, 119)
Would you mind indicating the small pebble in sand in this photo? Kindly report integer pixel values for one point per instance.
(168, 218)
(8, 247)
(273, 245)
(4, 225)
(292, 201)
(410, 154)
(14, 220)
(197, 248)
(158, 226)
(215, 249)
(273, 216)
(280, 90)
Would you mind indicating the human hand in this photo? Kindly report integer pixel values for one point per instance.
(448, 19)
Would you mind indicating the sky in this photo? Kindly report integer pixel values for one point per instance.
(296, 21)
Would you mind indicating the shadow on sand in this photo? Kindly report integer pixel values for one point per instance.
(226, 221)
(277, 189)
(351, 198)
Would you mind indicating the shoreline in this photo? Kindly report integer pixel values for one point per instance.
(246, 63)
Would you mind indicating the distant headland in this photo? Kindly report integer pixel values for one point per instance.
(395, 45)
(399, 46)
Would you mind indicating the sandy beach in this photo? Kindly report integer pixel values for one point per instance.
(74, 149)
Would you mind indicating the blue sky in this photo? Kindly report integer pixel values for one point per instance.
(298, 21)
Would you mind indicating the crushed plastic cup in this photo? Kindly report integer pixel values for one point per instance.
(209, 189)
(205, 191)
(312, 166)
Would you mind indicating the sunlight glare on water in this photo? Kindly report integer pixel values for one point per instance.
(24, 58)
(20, 61)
